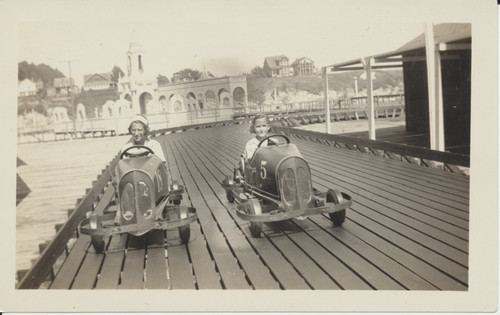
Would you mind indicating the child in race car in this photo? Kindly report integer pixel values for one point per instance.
(260, 126)
(139, 129)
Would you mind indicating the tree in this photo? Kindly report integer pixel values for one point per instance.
(162, 80)
(189, 73)
(116, 72)
(258, 71)
(38, 72)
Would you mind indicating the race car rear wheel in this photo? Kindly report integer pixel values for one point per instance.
(184, 233)
(230, 197)
(229, 194)
(255, 208)
(185, 230)
(97, 241)
(335, 196)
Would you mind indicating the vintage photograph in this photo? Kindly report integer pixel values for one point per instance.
(241, 151)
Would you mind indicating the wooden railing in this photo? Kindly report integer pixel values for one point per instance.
(408, 153)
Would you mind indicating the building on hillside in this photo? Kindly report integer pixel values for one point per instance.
(65, 85)
(277, 66)
(98, 81)
(26, 87)
(51, 91)
(303, 67)
(39, 85)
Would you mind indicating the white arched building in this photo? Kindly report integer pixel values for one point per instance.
(204, 100)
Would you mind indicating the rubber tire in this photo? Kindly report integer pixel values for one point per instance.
(185, 233)
(255, 208)
(184, 230)
(336, 197)
(98, 243)
(229, 181)
(229, 196)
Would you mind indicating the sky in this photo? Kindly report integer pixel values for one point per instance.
(223, 37)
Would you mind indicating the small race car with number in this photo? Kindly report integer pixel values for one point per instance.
(145, 200)
(275, 185)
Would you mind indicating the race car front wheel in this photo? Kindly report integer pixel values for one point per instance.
(335, 196)
(255, 208)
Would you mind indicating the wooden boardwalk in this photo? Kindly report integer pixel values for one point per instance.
(408, 229)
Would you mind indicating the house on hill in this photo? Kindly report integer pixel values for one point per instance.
(39, 85)
(277, 66)
(26, 87)
(63, 85)
(98, 81)
(303, 67)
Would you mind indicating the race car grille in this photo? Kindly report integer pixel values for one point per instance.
(289, 186)
(127, 202)
(295, 183)
(136, 198)
(304, 184)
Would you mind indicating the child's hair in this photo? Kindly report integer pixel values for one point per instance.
(258, 116)
(142, 120)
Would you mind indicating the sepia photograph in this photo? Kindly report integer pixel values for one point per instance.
(250, 156)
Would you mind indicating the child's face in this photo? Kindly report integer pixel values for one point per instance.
(138, 133)
(261, 128)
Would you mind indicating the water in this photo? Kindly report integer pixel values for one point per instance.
(57, 174)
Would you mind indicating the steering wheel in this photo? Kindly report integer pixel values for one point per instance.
(147, 151)
(274, 136)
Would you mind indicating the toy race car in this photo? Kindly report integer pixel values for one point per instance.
(275, 185)
(145, 201)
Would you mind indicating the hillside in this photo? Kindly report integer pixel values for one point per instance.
(42, 101)
(41, 72)
(290, 89)
(93, 99)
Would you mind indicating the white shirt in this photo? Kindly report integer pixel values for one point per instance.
(154, 145)
(251, 146)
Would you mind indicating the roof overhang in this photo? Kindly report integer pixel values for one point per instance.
(448, 38)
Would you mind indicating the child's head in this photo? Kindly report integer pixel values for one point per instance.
(139, 129)
(260, 126)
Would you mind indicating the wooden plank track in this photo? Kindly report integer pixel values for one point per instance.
(408, 229)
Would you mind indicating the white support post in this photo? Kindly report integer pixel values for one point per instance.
(435, 94)
(439, 103)
(356, 86)
(327, 101)
(367, 64)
